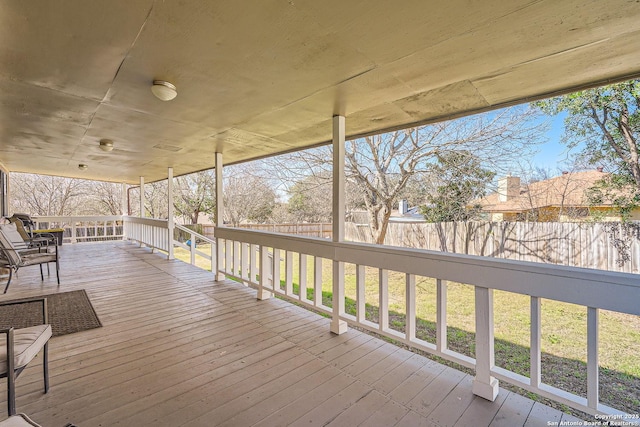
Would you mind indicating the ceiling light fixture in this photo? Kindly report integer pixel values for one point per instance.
(82, 167)
(163, 90)
(106, 144)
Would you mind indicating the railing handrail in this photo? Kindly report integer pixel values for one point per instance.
(588, 287)
(195, 233)
(154, 222)
(79, 218)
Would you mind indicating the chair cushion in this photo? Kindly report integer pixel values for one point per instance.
(10, 253)
(27, 343)
(12, 234)
(20, 228)
(20, 420)
(37, 258)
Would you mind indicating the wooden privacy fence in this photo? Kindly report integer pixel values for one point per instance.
(322, 230)
(606, 246)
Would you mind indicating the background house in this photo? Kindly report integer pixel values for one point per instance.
(562, 198)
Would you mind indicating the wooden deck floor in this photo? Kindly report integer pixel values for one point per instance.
(178, 349)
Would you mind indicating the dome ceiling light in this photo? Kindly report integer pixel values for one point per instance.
(83, 167)
(163, 90)
(106, 145)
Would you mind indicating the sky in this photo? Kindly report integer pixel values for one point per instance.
(553, 153)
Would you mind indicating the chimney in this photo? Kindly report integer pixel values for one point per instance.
(600, 168)
(508, 188)
(403, 207)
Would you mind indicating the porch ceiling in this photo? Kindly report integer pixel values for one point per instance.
(261, 77)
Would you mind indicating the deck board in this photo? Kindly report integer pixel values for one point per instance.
(177, 348)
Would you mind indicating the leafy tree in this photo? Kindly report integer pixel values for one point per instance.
(195, 194)
(310, 199)
(462, 180)
(605, 121)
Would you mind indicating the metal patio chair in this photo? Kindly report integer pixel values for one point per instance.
(20, 346)
(15, 257)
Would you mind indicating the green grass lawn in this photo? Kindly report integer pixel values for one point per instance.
(184, 255)
(564, 329)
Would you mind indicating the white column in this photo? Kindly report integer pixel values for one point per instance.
(142, 212)
(170, 223)
(484, 385)
(7, 197)
(219, 223)
(123, 208)
(338, 326)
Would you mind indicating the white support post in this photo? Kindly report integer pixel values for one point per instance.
(123, 208)
(170, 220)
(338, 326)
(219, 214)
(253, 263)
(263, 292)
(142, 212)
(288, 274)
(275, 270)
(303, 277)
(228, 256)
(410, 295)
(484, 385)
(192, 248)
(236, 269)
(535, 337)
(383, 299)
(73, 231)
(441, 315)
(592, 358)
(360, 295)
(317, 281)
(244, 261)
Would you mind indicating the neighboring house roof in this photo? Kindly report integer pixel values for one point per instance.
(566, 190)
(411, 215)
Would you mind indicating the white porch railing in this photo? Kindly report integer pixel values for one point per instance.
(254, 258)
(193, 248)
(150, 232)
(84, 228)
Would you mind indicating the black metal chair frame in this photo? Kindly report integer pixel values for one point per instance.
(7, 261)
(13, 372)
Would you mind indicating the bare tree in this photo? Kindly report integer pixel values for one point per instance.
(106, 197)
(248, 196)
(382, 166)
(47, 195)
(155, 200)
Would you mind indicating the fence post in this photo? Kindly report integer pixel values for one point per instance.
(484, 385)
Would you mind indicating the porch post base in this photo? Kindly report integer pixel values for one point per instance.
(220, 277)
(338, 327)
(264, 294)
(486, 391)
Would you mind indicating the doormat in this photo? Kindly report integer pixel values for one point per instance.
(69, 312)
